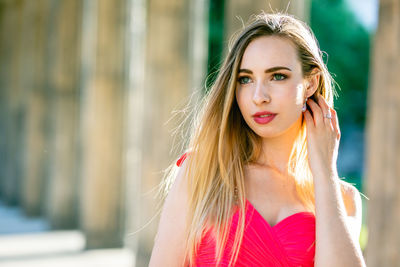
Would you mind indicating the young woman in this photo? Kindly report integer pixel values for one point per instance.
(258, 185)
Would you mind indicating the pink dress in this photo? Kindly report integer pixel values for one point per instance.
(291, 242)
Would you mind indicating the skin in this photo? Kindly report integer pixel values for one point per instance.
(269, 187)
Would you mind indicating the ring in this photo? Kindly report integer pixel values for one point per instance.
(329, 116)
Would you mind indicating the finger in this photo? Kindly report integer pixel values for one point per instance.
(334, 116)
(309, 120)
(335, 122)
(325, 109)
(316, 112)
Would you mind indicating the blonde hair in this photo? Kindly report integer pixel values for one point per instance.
(221, 142)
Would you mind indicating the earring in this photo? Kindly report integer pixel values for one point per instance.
(304, 106)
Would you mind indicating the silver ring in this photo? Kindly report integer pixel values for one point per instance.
(328, 116)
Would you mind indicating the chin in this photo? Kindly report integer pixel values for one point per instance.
(271, 131)
(266, 133)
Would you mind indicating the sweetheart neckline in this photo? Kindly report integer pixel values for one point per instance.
(281, 221)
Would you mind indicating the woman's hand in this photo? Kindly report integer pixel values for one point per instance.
(323, 135)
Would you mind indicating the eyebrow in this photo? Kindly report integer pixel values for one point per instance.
(267, 70)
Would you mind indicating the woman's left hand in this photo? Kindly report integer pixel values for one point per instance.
(323, 136)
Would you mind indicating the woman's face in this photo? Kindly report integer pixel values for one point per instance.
(270, 80)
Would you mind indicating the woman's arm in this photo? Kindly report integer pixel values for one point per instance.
(170, 243)
(353, 204)
(338, 223)
(337, 230)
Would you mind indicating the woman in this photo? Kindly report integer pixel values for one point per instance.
(259, 184)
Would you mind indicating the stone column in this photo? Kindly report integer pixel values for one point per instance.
(383, 135)
(63, 86)
(102, 126)
(13, 92)
(5, 44)
(33, 186)
(175, 64)
(135, 108)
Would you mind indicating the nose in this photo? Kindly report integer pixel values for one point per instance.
(261, 94)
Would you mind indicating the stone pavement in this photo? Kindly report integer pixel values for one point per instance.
(29, 242)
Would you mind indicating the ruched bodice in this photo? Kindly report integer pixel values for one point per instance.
(291, 242)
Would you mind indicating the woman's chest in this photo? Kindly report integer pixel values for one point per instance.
(273, 196)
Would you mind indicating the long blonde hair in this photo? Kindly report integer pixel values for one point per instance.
(221, 143)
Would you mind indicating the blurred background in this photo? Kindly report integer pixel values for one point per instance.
(87, 92)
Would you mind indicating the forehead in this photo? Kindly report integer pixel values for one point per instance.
(269, 51)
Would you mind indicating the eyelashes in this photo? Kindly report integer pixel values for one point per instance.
(281, 75)
(275, 77)
(244, 80)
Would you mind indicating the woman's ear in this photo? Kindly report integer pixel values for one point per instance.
(312, 82)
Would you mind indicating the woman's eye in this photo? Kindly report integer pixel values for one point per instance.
(279, 76)
(244, 80)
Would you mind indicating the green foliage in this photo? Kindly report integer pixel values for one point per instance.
(347, 44)
(215, 39)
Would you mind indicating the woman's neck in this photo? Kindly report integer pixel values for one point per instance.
(276, 151)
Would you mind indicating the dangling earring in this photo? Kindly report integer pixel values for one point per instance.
(304, 106)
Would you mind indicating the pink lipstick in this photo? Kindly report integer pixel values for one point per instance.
(263, 117)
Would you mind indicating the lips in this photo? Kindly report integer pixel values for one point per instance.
(263, 113)
(263, 117)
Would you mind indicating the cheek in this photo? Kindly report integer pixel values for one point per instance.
(294, 94)
(240, 99)
(290, 100)
(299, 94)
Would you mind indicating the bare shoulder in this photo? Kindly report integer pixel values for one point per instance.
(169, 244)
(353, 204)
(351, 198)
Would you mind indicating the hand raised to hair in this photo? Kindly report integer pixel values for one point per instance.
(323, 136)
